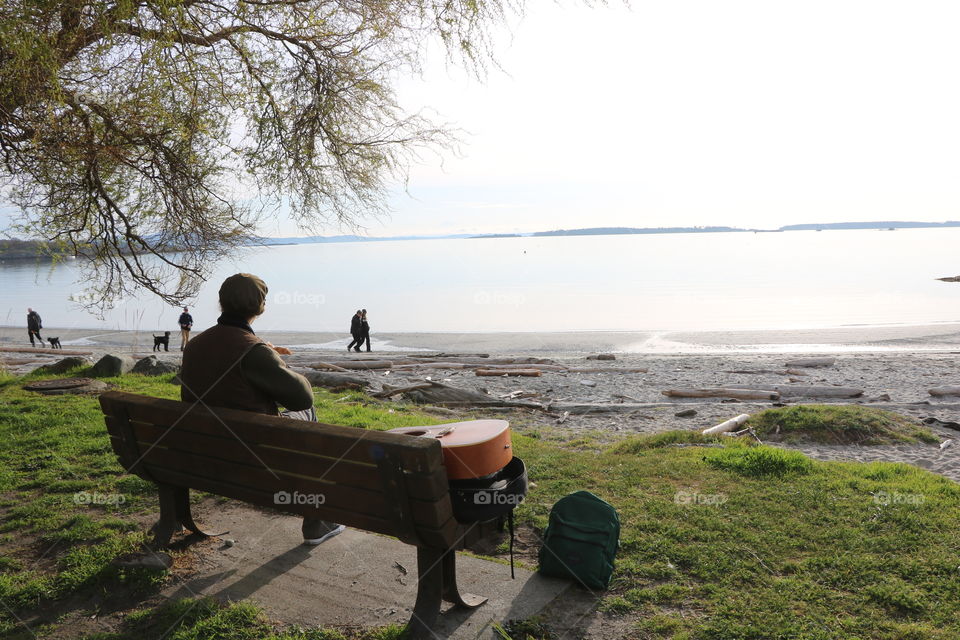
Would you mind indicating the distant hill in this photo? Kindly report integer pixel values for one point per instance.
(498, 235)
(347, 238)
(25, 250)
(870, 225)
(611, 231)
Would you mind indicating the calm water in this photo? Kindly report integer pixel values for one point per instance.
(586, 283)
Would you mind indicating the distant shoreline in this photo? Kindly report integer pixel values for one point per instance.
(24, 250)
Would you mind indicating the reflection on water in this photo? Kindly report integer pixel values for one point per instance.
(686, 282)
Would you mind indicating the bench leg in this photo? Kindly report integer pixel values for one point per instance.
(182, 506)
(429, 593)
(451, 593)
(168, 524)
(174, 516)
(436, 582)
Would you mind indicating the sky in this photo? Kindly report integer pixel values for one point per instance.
(742, 113)
(688, 113)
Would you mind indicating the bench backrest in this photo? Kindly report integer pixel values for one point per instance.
(381, 482)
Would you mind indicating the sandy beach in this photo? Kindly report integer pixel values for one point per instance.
(894, 366)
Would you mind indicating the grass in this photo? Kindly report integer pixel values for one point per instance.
(204, 618)
(838, 424)
(722, 542)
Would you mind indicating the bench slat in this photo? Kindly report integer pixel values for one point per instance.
(336, 441)
(347, 472)
(336, 496)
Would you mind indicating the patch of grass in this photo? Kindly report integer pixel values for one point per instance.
(529, 629)
(206, 619)
(760, 461)
(636, 444)
(838, 424)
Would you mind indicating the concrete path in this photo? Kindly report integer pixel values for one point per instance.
(354, 579)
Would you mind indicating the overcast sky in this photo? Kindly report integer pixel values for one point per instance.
(690, 112)
(695, 112)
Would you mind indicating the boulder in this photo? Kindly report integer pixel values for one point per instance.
(602, 356)
(154, 366)
(62, 366)
(110, 366)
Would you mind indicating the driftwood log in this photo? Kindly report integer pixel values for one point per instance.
(607, 369)
(482, 360)
(739, 394)
(526, 373)
(729, 425)
(327, 366)
(439, 393)
(801, 391)
(389, 390)
(944, 391)
(333, 380)
(444, 354)
(811, 362)
(359, 365)
(779, 372)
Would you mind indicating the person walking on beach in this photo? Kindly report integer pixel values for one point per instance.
(364, 330)
(186, 323)
(355, 332)
(34, 325)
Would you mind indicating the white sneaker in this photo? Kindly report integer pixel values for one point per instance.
(315, 541)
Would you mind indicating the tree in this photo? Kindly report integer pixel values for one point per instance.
(151, 135)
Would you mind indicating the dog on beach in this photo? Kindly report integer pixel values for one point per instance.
(54, 343)
(162, 340)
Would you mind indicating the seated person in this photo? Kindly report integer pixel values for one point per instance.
(229, 366)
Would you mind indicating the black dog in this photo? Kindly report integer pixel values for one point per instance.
(54, 343)
(162, 340)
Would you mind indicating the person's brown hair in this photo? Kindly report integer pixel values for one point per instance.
(243, 294)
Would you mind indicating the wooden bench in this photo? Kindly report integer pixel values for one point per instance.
(381, 482)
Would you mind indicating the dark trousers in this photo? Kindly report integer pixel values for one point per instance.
(31, 333)
(356, 342)
(364, 338)
(311, 527)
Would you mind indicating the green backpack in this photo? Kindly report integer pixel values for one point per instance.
(581, 540)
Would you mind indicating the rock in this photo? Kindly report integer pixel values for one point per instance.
(110, 366)
(153, 366)
(602, 356)
(588, 383)
(686, 413)
(62, 366)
